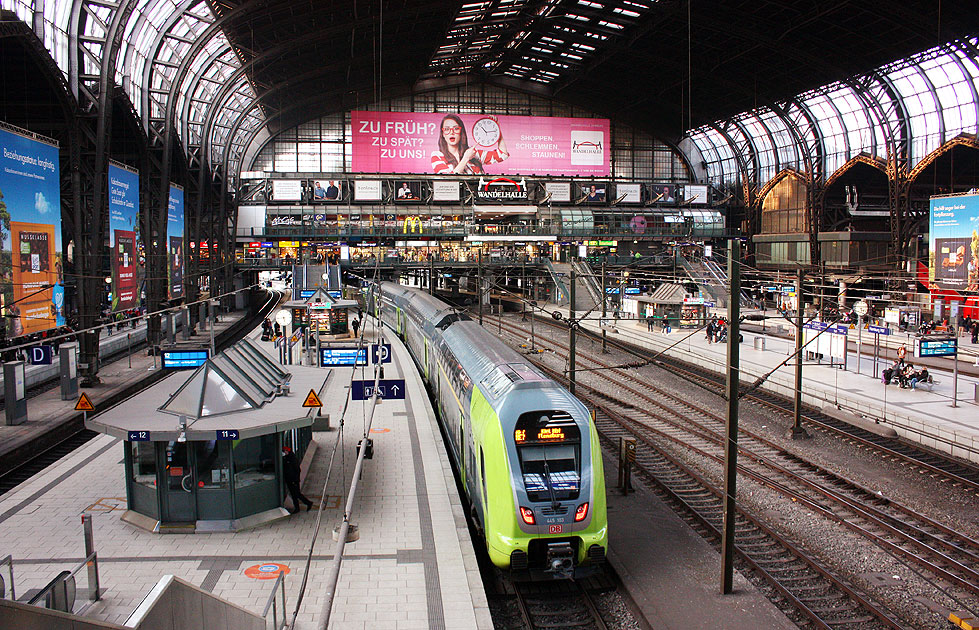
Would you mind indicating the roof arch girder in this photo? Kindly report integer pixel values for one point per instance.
(863, 158)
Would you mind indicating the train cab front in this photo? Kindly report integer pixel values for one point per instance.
(560, 500)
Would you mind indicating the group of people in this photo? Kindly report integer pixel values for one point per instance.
(270, 331)
(971, 327)
(716, 330)
(906, 375)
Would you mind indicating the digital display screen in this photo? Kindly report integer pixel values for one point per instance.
(342, 356)
(543, 434)
(184, 359)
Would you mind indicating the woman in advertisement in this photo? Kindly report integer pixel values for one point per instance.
(455, 156)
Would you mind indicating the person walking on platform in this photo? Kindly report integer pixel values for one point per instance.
(290, 474)
(649, 323)
(355, 324)
(975, 331)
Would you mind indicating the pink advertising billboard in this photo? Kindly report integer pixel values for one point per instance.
(476, 144)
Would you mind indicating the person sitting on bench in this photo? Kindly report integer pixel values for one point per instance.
(921, 377)
(905, 375)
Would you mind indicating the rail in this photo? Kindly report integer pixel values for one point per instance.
(273, 603)
(59, 593)
(9, 561)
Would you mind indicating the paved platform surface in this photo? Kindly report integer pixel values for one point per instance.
(413, 566)
(919, 415)
(46, 410)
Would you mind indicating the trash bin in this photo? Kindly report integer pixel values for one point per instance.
(759, 343)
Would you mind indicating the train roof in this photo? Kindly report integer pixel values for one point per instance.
(488, 361)
(429, 309)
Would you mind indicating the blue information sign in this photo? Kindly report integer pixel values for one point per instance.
(41, 355)
(184, 359)
(771, 289)
(937, 347)
(391, 389)
(138, 436)
(384, 356)
(347, 355)
(709, 305)
(226, 434)
(879, 330)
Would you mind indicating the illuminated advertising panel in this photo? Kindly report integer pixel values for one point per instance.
(476, 144)
(123, 230)
(31, 279)
(445, 190)
(953, 243)
(175, 242)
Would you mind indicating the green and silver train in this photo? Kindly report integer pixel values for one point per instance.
(525, 448)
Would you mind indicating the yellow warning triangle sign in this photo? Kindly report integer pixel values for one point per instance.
(312, 400)
(84, 404)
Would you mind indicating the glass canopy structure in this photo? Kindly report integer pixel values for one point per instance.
(918, 104)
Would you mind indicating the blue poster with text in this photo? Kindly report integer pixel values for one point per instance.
(31, 272)
(176, 250)
(124, 246)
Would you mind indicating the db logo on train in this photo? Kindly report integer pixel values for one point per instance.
(555, 529)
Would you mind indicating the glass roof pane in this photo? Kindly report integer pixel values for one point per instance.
(221, 397)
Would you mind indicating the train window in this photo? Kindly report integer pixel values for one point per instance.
(551, 472)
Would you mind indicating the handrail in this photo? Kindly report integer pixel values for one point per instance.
(9, 561)
(62, 579)
(273, 603)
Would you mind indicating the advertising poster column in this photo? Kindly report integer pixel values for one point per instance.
(124, 236)
(175, 243)
(31, 278)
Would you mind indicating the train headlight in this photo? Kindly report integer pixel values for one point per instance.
(527, 515)
(581, 513)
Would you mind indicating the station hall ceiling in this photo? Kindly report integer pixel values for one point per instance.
(665, 66)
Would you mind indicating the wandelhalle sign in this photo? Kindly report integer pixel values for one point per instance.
(407, 142)
(502, 189)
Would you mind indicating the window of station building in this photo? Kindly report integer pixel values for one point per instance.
(254, 460)
(213, 463)
(144, 463)
(784, 207)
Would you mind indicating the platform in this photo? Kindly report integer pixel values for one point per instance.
(926, 417)
(413, 566)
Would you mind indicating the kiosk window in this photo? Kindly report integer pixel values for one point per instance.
(144, 463)
(254, 460)
(213, 464)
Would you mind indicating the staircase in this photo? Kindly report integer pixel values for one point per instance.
(558, 272)
(712, 279)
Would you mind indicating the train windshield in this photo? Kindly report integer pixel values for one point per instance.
(549, 447)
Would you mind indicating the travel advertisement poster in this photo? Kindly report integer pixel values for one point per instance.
(123, 241)
(175, 242)
(953, 243)
(31, 278)
(477, 144)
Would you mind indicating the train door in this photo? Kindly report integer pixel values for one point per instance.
(425, 363)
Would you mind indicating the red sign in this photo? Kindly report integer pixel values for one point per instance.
(555, 529)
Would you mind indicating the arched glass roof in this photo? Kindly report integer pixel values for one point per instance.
(937, 92)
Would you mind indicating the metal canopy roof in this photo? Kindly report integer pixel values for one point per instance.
(220, 71)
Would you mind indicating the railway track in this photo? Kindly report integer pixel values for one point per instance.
(565, 604)
(954, 471)
(657, 417)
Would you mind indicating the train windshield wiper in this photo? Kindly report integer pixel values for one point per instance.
(547, 480)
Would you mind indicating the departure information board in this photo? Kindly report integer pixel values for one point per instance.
(184, 359)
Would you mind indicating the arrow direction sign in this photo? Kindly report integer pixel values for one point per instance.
(389, 389)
